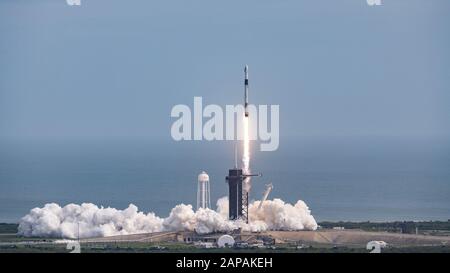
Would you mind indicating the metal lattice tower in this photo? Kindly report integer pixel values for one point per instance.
(237, 196)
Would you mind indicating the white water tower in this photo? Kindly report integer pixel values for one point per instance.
(203, 197)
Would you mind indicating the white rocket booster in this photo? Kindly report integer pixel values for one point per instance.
(246, 90)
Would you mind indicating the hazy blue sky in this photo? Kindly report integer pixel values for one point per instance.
(364, 95)
(114, 68)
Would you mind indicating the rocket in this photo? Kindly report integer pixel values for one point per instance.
(246, 90)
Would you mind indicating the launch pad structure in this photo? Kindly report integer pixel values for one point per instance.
(237, 198)
(237, 194)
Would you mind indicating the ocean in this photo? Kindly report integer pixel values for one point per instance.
(339, 178)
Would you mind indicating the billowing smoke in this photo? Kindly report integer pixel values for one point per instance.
(88, 220)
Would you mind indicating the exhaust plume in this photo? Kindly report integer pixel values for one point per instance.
(246, 155)
(88, 220)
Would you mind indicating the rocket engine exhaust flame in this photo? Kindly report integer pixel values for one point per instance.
(246, 155)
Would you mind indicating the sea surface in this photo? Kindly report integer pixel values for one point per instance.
(340, 178)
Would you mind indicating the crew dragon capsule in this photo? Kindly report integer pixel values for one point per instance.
(246, 90)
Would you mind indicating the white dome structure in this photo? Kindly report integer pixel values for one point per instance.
(225, 241)
(203, 193)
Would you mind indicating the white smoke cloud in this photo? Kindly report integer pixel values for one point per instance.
(89, 220)
(278, 215)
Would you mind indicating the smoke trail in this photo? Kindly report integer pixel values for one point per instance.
(246, 154)
(88, 220)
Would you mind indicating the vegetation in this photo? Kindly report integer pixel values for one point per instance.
(397, 226)
(188, 248)
(8, 228)
(428, 227)
(10, 242)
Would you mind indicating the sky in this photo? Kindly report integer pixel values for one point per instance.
(113, 69)
(86, 94)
